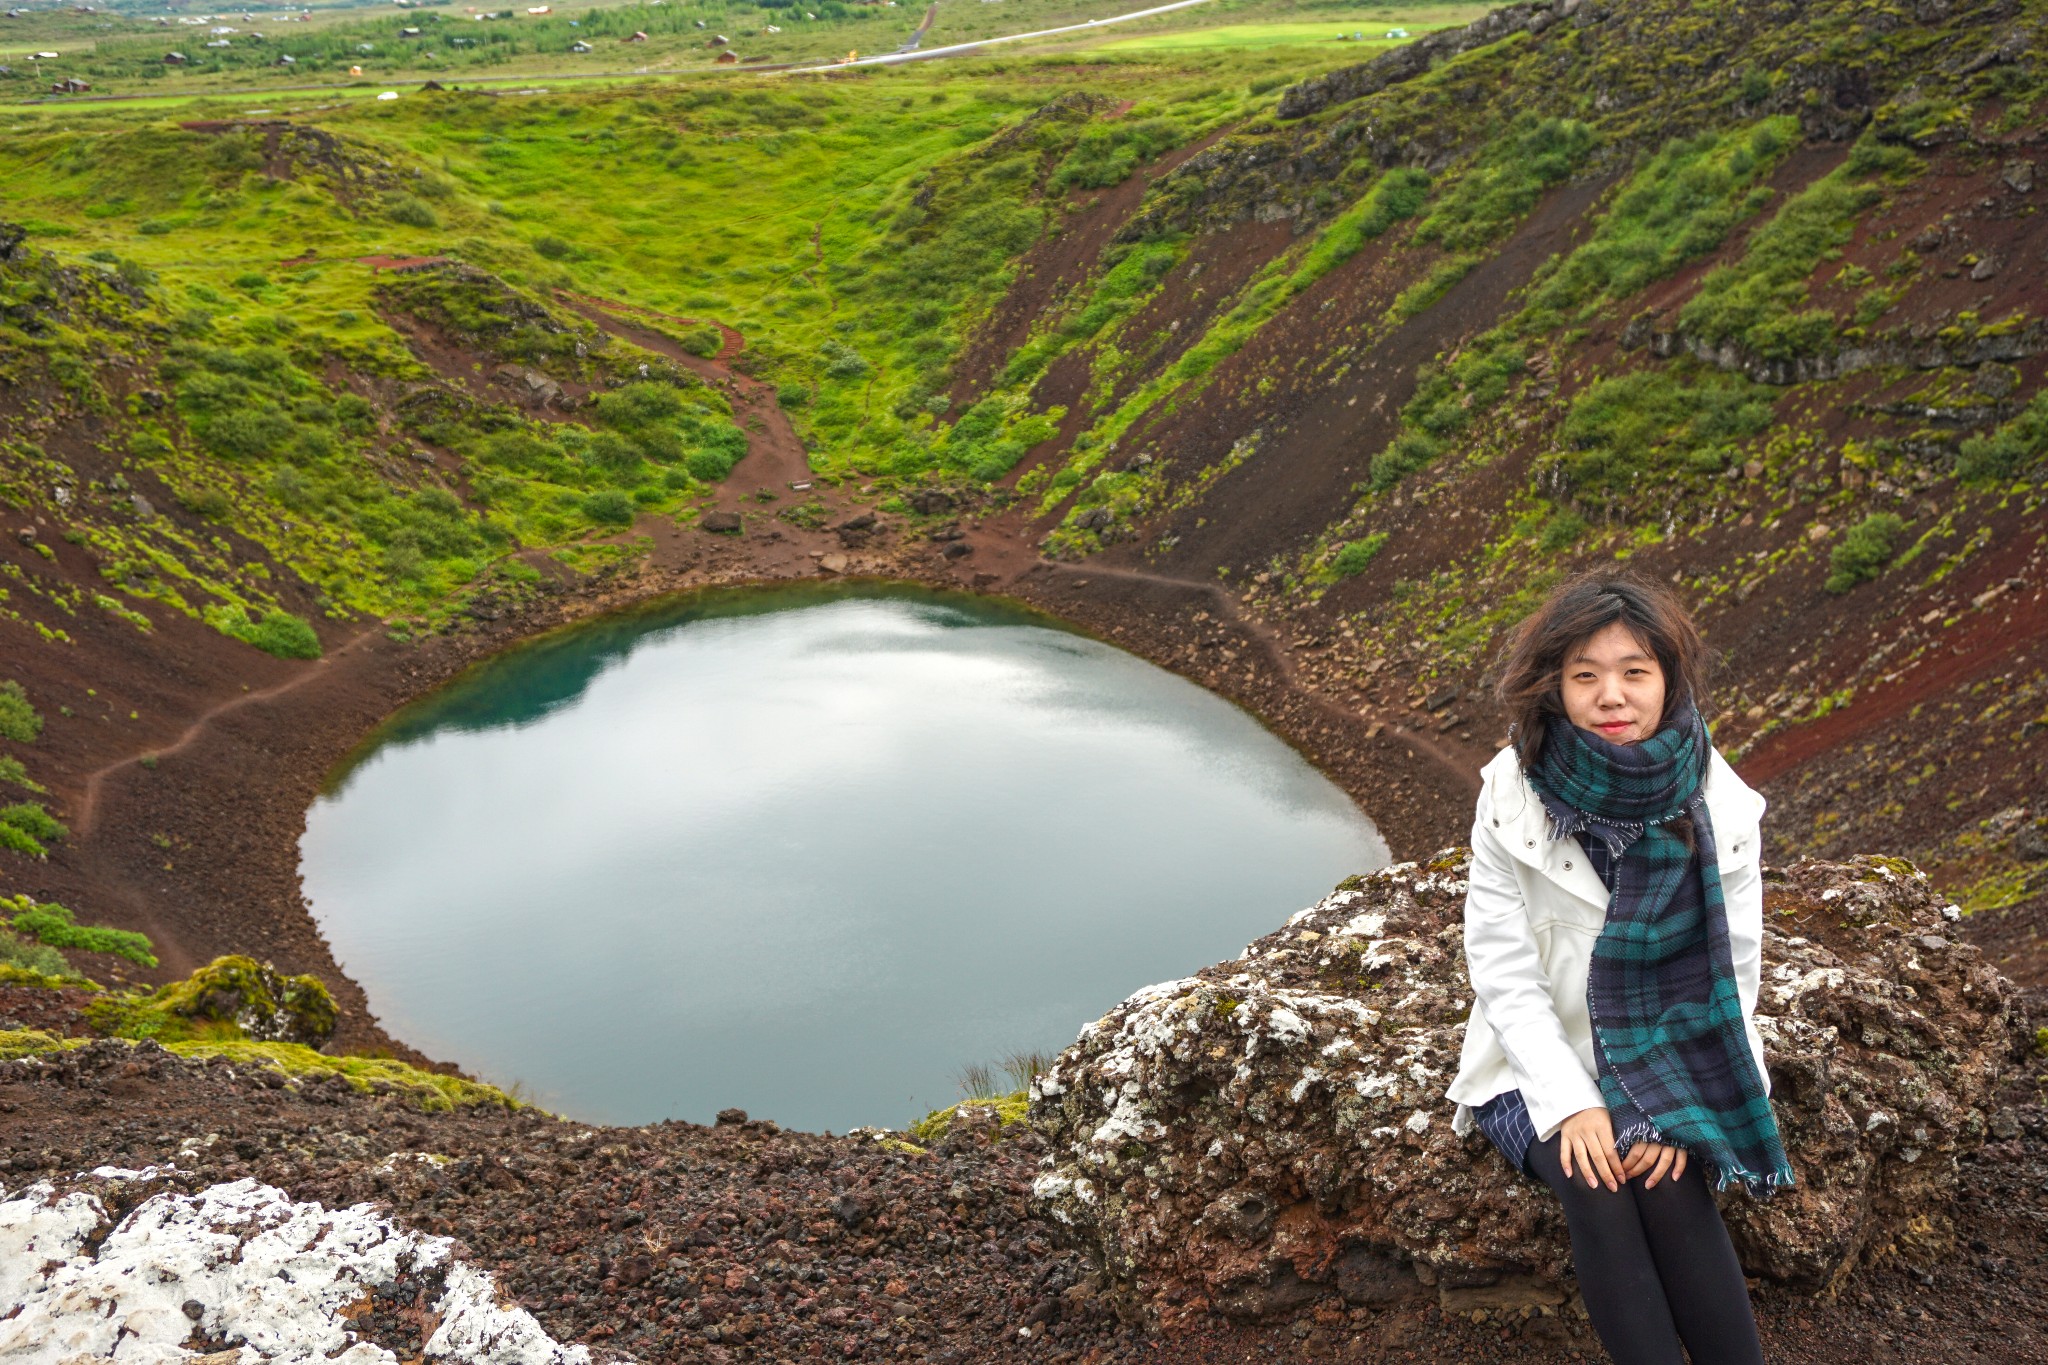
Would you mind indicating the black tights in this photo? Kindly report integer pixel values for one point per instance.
(1655, 1267)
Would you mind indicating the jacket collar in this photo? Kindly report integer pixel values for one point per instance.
(1524, 826)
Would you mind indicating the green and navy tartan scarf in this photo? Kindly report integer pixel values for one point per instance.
(1674, 1061)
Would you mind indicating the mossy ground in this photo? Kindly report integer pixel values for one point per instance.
(429, 1091)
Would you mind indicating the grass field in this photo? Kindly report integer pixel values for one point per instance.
(125, 56)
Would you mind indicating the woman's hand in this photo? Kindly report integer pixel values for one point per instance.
(1658, 1158)
(1586, 1141)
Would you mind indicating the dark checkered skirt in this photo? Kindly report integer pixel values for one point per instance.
(1505, 1121)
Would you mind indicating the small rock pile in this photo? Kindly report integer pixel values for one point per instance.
(1273, 1131)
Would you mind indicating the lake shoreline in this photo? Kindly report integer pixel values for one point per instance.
(238, 789)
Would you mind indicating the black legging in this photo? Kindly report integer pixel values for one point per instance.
(1655, 1267)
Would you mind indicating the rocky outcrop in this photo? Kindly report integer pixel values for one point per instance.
(1412, 59)
(1273, 1130)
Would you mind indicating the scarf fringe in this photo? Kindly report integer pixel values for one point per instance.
(1754, 1184)
(1642, 1130)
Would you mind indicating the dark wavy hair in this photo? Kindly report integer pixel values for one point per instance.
(1532, 673)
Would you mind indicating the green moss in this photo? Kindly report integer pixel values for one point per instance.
(16, 1044)
(224, 1001)
(1996, 891)
(428, 1089)
(1010, 1108)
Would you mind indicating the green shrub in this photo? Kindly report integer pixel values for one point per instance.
(1562, 531)
(2009, 451)
(18, 720)
(1864, 552)
(609, 508)
(52, 925)
(554, 248)
(26, 827)
(25, 954)
(14, 775)
(412, 211)
(1353, 556)
(278, 632)
(1411, 450)
(703, 341)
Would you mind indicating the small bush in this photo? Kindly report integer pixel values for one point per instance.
(554, 248)
(14, 775)
(18, 720)
(52, 925)
(278, 633)
(1865, 551)
(609, 508)
(26, 827)
(1411, 450)
(1352, 559)
(411, 211)
(703, 341)
(28, 955)
(2008, 452)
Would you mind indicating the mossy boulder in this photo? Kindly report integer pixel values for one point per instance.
(230, 999)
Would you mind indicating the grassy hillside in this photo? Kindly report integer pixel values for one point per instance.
(1742, 294)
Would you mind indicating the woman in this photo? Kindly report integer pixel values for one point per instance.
(1613, 928)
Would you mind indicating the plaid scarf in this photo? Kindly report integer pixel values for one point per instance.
(1674, 1061)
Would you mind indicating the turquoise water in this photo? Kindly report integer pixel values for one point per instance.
(803, 851)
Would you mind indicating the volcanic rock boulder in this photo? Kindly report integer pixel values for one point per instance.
(1273, 1130)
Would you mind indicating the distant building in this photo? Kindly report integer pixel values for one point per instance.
(726, 56)
(70, 86)
(286, 59)
(580, 46)
(408, 33)
(1397, 33)
(175, 59)
(639, 36)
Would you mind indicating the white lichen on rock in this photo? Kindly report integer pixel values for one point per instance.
(1235, 1139)
(241, 1264)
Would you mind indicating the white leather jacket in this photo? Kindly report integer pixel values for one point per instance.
(1532, 912)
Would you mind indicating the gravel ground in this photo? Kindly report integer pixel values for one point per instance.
(744, 1243)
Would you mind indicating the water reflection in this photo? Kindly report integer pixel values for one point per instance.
(806, 852)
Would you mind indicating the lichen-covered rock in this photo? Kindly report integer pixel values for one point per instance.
(1274, 1129)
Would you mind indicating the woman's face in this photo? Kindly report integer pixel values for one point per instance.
(1614, 686)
